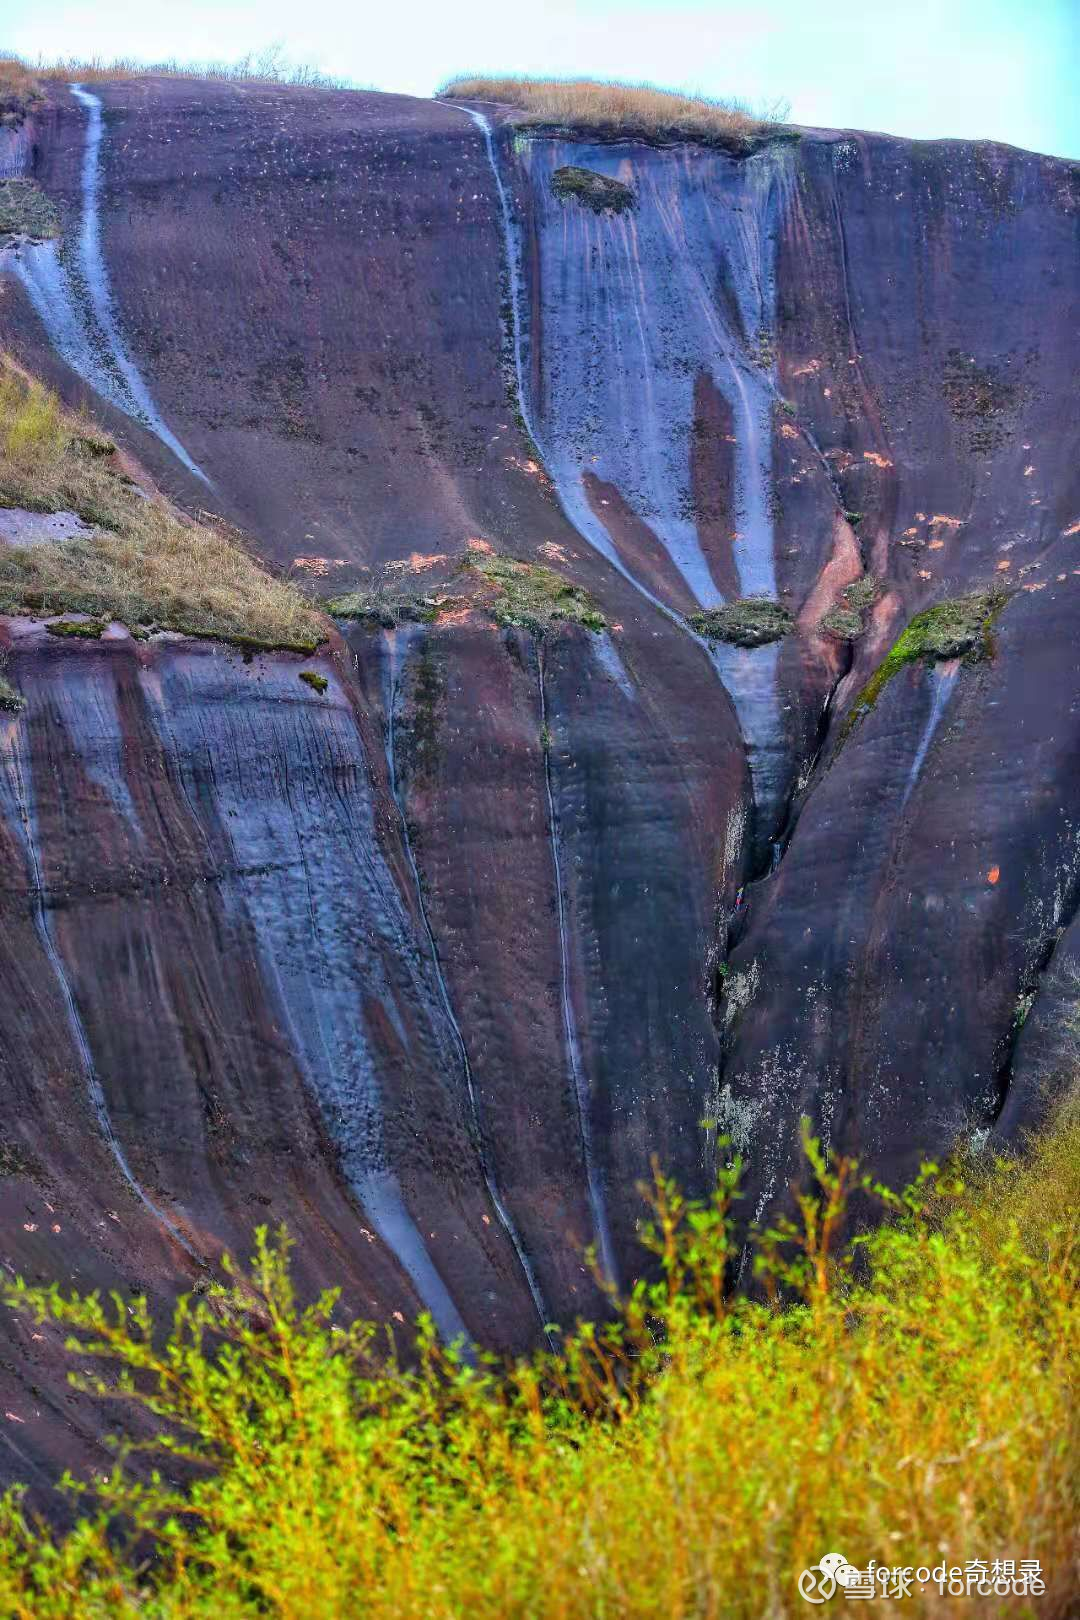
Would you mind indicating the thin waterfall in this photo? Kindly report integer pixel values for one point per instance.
(77, 308)
(943, 678)
(582, 1090)
(498, 1204)
(15, 801)
(749, 676)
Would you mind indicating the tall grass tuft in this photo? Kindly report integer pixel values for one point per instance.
(19, 90)
(906, 1396)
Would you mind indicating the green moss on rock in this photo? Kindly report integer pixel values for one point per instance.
(599, 192)
(86, 629)
(531, 596)
(312, 678)
(386, 610)
(752, 621)
(958, 628)
(846, 618)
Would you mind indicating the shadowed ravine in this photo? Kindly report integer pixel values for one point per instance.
(430, 964)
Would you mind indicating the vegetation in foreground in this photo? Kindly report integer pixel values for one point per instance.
(908, 1398)
(606, 108)
(141, 563)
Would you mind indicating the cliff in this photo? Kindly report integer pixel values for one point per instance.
(430, 964)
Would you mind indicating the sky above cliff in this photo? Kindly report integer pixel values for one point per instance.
(999, 69)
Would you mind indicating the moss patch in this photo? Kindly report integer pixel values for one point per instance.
(597, 191)
(531, 596)
(312, 678)
(753, 621)
(385, 610)
(846, 618)
(26, 211)
(951, 629)
(86, 629)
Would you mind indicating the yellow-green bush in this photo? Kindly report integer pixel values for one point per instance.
(906, 1397)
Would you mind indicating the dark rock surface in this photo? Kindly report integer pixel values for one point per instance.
(429, 964)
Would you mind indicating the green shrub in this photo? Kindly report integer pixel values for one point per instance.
(698, 1451)
(11, 701)
(847, 617)
(384, 608)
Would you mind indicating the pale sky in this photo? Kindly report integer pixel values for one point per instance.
(1006, 70)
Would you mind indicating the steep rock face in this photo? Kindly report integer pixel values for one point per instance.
(259, 951)
(562, 811)
(436, 961)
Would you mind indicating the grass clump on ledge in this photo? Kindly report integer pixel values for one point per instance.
(916, 1409)
(615, 111)
(846, 619)
(25, 211)
(530, 596)
(144, 565)
(957, 628)
(385, 609)
(599, 192)
(752, 621)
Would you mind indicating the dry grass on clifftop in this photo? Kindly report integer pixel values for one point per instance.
(142, 563)
(270, 66)
(606, 108)
(19, 89)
